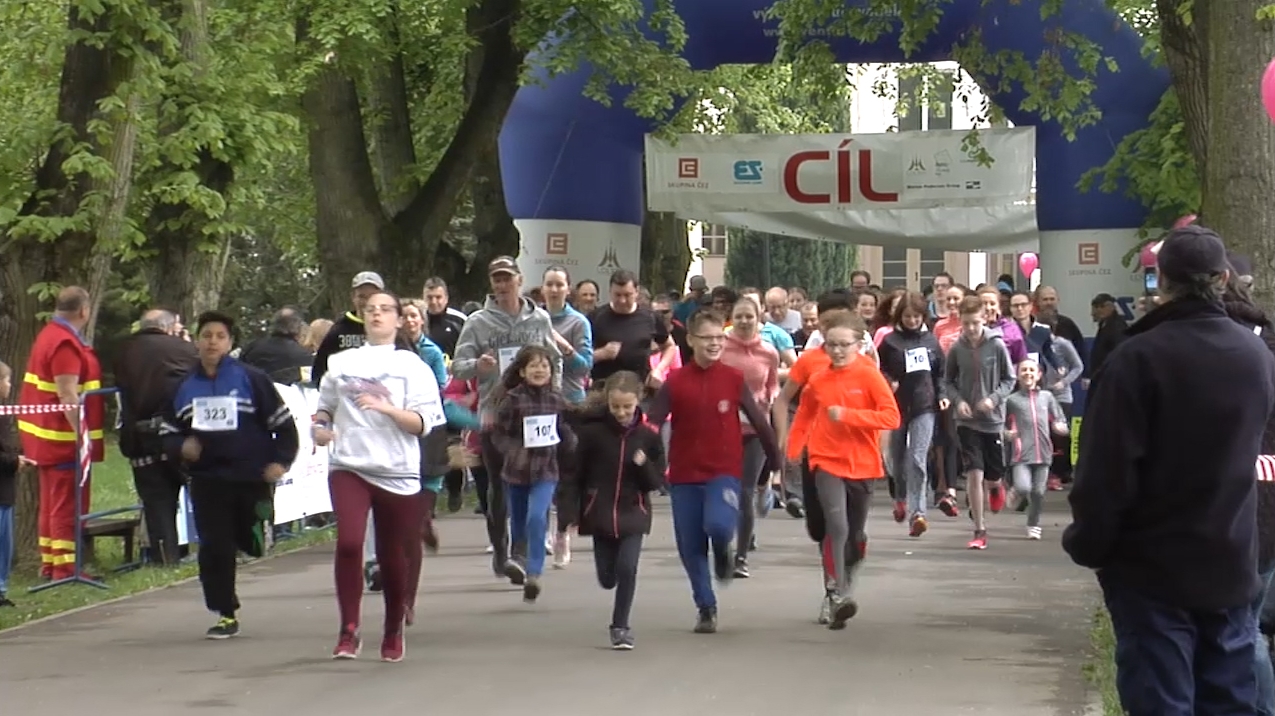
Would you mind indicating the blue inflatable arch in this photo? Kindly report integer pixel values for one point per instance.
(567, 159)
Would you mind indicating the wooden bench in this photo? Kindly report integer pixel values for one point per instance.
(124, 528)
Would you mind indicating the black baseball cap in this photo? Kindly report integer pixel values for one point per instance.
(1102, 299)
(1192, 251)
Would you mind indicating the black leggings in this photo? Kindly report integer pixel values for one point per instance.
(1062, 449)
(616, 559)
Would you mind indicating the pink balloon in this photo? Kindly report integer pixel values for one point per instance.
(1028, 263)
(1268, 90)
(1185, 221)
(1148, 256)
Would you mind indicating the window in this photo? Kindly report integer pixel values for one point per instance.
(909, 101)
(894, 267)
(713, 239)
(938, 112)
(933, 262)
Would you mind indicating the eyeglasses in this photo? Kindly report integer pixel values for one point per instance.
(387, 308)
(719, 338)
(840, 345)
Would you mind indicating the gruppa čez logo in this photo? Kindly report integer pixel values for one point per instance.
(748, 171)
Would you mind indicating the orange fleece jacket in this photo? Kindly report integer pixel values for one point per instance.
(809, 364)
(849, 447)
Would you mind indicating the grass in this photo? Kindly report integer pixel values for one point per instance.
(113, 487)
(1101, 668)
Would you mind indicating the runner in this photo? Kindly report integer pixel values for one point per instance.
(1032, 415)
(529, 431)
(851, 404)
(978, 376)
(706, 446)
(236, 437)
(375, 403)
(620, 462)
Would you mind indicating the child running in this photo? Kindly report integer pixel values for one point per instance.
(851, 404)
(530, 431)
(977, 378)
(1031, 413)
(706, 453)
(620, 461)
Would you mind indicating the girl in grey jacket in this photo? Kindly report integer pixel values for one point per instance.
(1031, 414)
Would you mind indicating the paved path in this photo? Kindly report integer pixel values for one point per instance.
(940, 631)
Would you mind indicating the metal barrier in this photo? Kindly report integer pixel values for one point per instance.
(84, 465)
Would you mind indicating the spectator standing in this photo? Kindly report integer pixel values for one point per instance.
(280, 354)
(148, 367)
(1164, 504)
(1111, 331)
(62, 367)
(10, 462)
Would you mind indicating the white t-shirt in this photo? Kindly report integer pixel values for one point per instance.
(370, 444)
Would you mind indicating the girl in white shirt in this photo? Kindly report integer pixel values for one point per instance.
(375, 403)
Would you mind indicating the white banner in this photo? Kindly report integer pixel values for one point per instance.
(303, 490)
(1083, 264)
(921, 189)
(587, 249)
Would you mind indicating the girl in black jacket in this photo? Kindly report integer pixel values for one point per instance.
(619, 462)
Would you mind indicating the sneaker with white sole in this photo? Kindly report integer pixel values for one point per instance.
(1033, 533)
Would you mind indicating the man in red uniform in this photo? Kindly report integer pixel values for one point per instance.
(62, 367)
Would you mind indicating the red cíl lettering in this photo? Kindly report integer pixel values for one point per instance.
(845, 178)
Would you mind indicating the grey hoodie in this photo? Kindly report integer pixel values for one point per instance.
(1031, 415)
(491, 329)
(1068, 371)
(972, 373)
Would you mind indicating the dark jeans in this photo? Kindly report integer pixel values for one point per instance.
(1181, 662)
(230, 518)
(497, 509)
(616, 561)
(159, 488)
(1062, 449)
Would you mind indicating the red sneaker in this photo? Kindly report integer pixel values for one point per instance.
(996, 499)
(348, 644)
(1054, 484)
(919, 526)
(393, 648)
(979, 541)
(947, 506)
(900, 511)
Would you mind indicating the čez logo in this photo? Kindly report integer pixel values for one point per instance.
(748, 171)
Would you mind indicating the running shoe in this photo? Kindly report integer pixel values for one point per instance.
(515, 572)
(843, 610)
(919, 526)
(947, 506)
(348, 644)
(724, 563)
(548, 545)
(372, 576)
(1054, 484)
(5, 601)
(455, 500)
(431, 539)
(741, 567)
(996, 499)
(795, 509)
(225, 628)
(531, 590)
(1033, 533)
(900, 511)
(825, 609)
(979, 541)
(1021, 502)
(706, 621)
(393, 648)
(621, 638)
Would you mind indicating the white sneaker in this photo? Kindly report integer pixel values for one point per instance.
(548, 545)
(489, 549)
(562, 551)
(1033, 533)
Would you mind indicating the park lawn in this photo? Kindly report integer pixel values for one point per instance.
(113, 487)
(1101, 669)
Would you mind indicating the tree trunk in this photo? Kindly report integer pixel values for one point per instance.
(1185, 53)
(36, 255)
(666, 254)
(392, 149)
(1240, 171)
(189, 267)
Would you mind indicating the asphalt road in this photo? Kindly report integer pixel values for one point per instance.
(941, 630)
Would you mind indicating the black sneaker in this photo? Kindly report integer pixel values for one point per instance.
(516, 573)
(621, 639)
(499, 558)
(795, 509)
(225, 628)
(706, 621)
(455, 500)
(843, 610)
(530, 589)
(741, 568)
(5, 601)
(372, 576)
(724, 564)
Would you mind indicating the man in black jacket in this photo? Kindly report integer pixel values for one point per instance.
(148, 367)
(1164, 501)
(347, 332)
(280, 354)
(1111, 330)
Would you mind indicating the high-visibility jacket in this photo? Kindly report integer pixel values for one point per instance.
(48, 438)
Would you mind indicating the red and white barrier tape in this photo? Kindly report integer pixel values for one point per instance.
(35, 409)
(1266, 468)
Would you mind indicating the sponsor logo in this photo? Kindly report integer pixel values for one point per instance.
(723, 406)
(688, 168)
(748, 171)
(556, 244)
(1087, 254)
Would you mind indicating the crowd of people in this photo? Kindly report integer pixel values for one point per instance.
(570, 400)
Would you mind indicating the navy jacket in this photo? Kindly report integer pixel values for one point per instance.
(266, 432)
(1164, 501)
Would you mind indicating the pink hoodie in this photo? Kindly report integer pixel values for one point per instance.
(465, 394)
(759, 362)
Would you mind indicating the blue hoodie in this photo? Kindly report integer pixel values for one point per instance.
(432, 354)
(574, 326)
